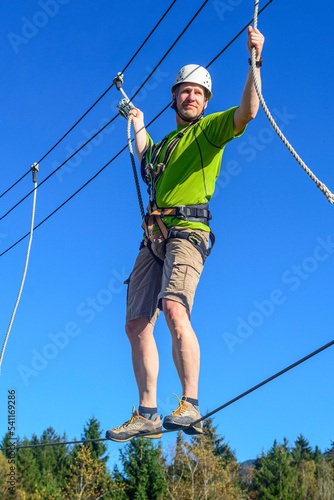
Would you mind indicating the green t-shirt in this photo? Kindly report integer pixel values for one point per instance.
(191, 172)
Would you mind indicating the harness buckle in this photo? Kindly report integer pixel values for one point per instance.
(181, 212)
(195, 239)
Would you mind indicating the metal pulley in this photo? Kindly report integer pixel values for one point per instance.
(124, 105)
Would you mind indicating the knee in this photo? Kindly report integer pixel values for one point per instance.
(136, 328)
(175, 313)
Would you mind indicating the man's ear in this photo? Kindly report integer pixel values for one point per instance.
(173, 98)
(206, 103)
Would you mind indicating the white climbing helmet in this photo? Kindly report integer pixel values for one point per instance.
(193, 73)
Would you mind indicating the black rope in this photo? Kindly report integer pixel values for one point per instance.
(134, 169)
(93, 105)
(249, 391)
(55, 443)
(161, 112)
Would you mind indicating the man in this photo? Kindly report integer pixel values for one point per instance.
(181, 172)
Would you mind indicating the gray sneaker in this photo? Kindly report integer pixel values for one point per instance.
(135, 427)
(182, 417)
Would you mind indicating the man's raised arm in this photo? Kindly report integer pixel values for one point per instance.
(139, 131)
(249, 100)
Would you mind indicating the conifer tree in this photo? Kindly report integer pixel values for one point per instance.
(220, 448)
(302, 450)
(273, 477)
(143, 473)
(48, 488)
(305, 468)
(329, 453)
(28, 471)
(6, 443)
(317, 456)
(51, 460)
(92, 431)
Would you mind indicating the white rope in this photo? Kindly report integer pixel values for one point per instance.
(23, 277)
(324, 189)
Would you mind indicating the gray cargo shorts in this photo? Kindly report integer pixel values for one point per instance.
(175, 278)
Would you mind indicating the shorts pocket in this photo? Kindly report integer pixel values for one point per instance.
(127, 282)
(185, 277)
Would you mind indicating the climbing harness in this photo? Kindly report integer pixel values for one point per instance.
(151, 175)
(34, 169)
(324, 189)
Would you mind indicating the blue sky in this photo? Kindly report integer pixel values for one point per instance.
(265, 298)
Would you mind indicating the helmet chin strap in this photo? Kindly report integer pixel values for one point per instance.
(192, 120)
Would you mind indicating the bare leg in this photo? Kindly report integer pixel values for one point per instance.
(186, 351)
(145, 359)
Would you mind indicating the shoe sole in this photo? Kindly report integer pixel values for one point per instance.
(192, 431)
(187, 429)
(151, 436)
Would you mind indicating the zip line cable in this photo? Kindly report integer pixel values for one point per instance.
(99, 99)
(107, 124)
(59, 167)
(172, 46)
(142, 45)
(157, 116)
(64, 203)
(229, 403)
(34, 169)
(323, 188)
(236, 36)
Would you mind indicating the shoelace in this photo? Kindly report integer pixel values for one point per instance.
(132, 419)
(182, 406)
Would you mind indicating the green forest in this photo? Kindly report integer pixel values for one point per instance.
(197, 468)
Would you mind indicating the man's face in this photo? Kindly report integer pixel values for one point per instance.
(190, 100)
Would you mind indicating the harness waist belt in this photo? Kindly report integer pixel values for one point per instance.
(191, 213)
(194, 213)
